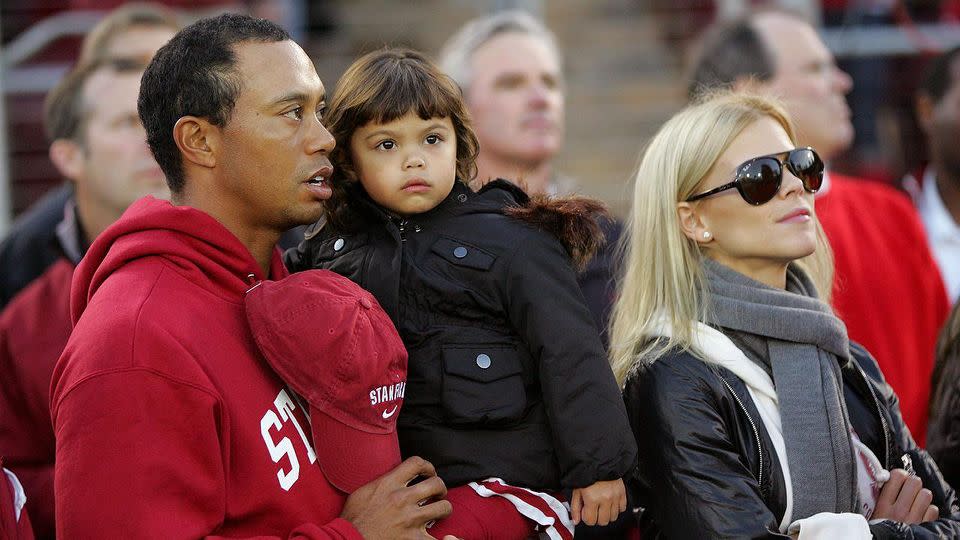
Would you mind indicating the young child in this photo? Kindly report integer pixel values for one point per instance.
(508, 391)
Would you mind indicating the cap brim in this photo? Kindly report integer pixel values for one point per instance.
(351, 458)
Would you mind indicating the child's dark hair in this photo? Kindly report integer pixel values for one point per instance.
(381, 87)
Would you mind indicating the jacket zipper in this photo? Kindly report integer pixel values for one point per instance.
(756, 434)
(883, 421)
(403, 227)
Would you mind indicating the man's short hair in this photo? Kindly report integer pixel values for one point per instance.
(97, 42)
(65, 110)
(939, 77)
(194, 74)
(728, 52)
(457, 53)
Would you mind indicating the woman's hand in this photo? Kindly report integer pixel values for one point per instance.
(903, 498)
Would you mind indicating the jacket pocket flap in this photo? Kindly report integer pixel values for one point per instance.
(481, 363)
(463, 254)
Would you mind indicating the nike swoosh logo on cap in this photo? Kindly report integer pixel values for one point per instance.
(388, 414)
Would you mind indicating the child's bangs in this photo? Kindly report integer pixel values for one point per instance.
(411, 90)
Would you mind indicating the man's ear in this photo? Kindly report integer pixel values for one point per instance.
(691, 224)
(67, 156)
(197, 140)
(924, 108)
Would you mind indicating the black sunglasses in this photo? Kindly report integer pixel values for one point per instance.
(758, 179)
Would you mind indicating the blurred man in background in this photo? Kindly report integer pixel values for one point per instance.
(509, 68)
(887, 288)
(31, 246)
(935, 189)
(99, 145)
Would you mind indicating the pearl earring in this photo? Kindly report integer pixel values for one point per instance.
(706, 235)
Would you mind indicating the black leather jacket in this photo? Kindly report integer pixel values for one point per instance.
(507, 374)
(707, 466)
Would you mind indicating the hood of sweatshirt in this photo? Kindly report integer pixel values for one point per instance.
(190, 240)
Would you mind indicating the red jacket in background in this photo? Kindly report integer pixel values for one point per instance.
(34, 328)
(887, 287)
(168, 422)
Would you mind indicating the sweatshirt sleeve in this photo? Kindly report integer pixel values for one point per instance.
(139, 454)
(586, 413)
(338, 529)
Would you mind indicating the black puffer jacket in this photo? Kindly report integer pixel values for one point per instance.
(708, 468)
(507, 375)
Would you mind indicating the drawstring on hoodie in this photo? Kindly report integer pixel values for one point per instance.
(252, 279)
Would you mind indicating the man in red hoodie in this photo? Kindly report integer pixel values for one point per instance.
(169, 422)
(887, 288)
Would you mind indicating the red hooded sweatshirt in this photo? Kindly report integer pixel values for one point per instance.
(34, 328)
(169, 424)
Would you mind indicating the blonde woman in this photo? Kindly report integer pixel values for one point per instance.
(754, 415)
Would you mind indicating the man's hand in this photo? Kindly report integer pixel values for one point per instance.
(903, 498)
(598, 504)
(389, 508)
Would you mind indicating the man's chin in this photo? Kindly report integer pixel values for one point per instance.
(539, 152)
(307, 215)
(842, 143)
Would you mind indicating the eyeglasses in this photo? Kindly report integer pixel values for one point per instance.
(758, 180)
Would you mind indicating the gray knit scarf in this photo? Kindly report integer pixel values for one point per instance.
(807, 345)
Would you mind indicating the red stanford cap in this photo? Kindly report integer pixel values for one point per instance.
(333, 344)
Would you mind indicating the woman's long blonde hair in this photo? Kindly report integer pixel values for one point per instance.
(662, 281)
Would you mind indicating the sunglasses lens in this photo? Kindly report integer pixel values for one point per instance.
(760, 180)
(807, 166)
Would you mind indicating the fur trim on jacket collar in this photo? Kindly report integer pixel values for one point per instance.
(573, 219)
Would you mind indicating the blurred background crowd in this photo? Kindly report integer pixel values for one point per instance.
(627, 66)
(624, 67)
